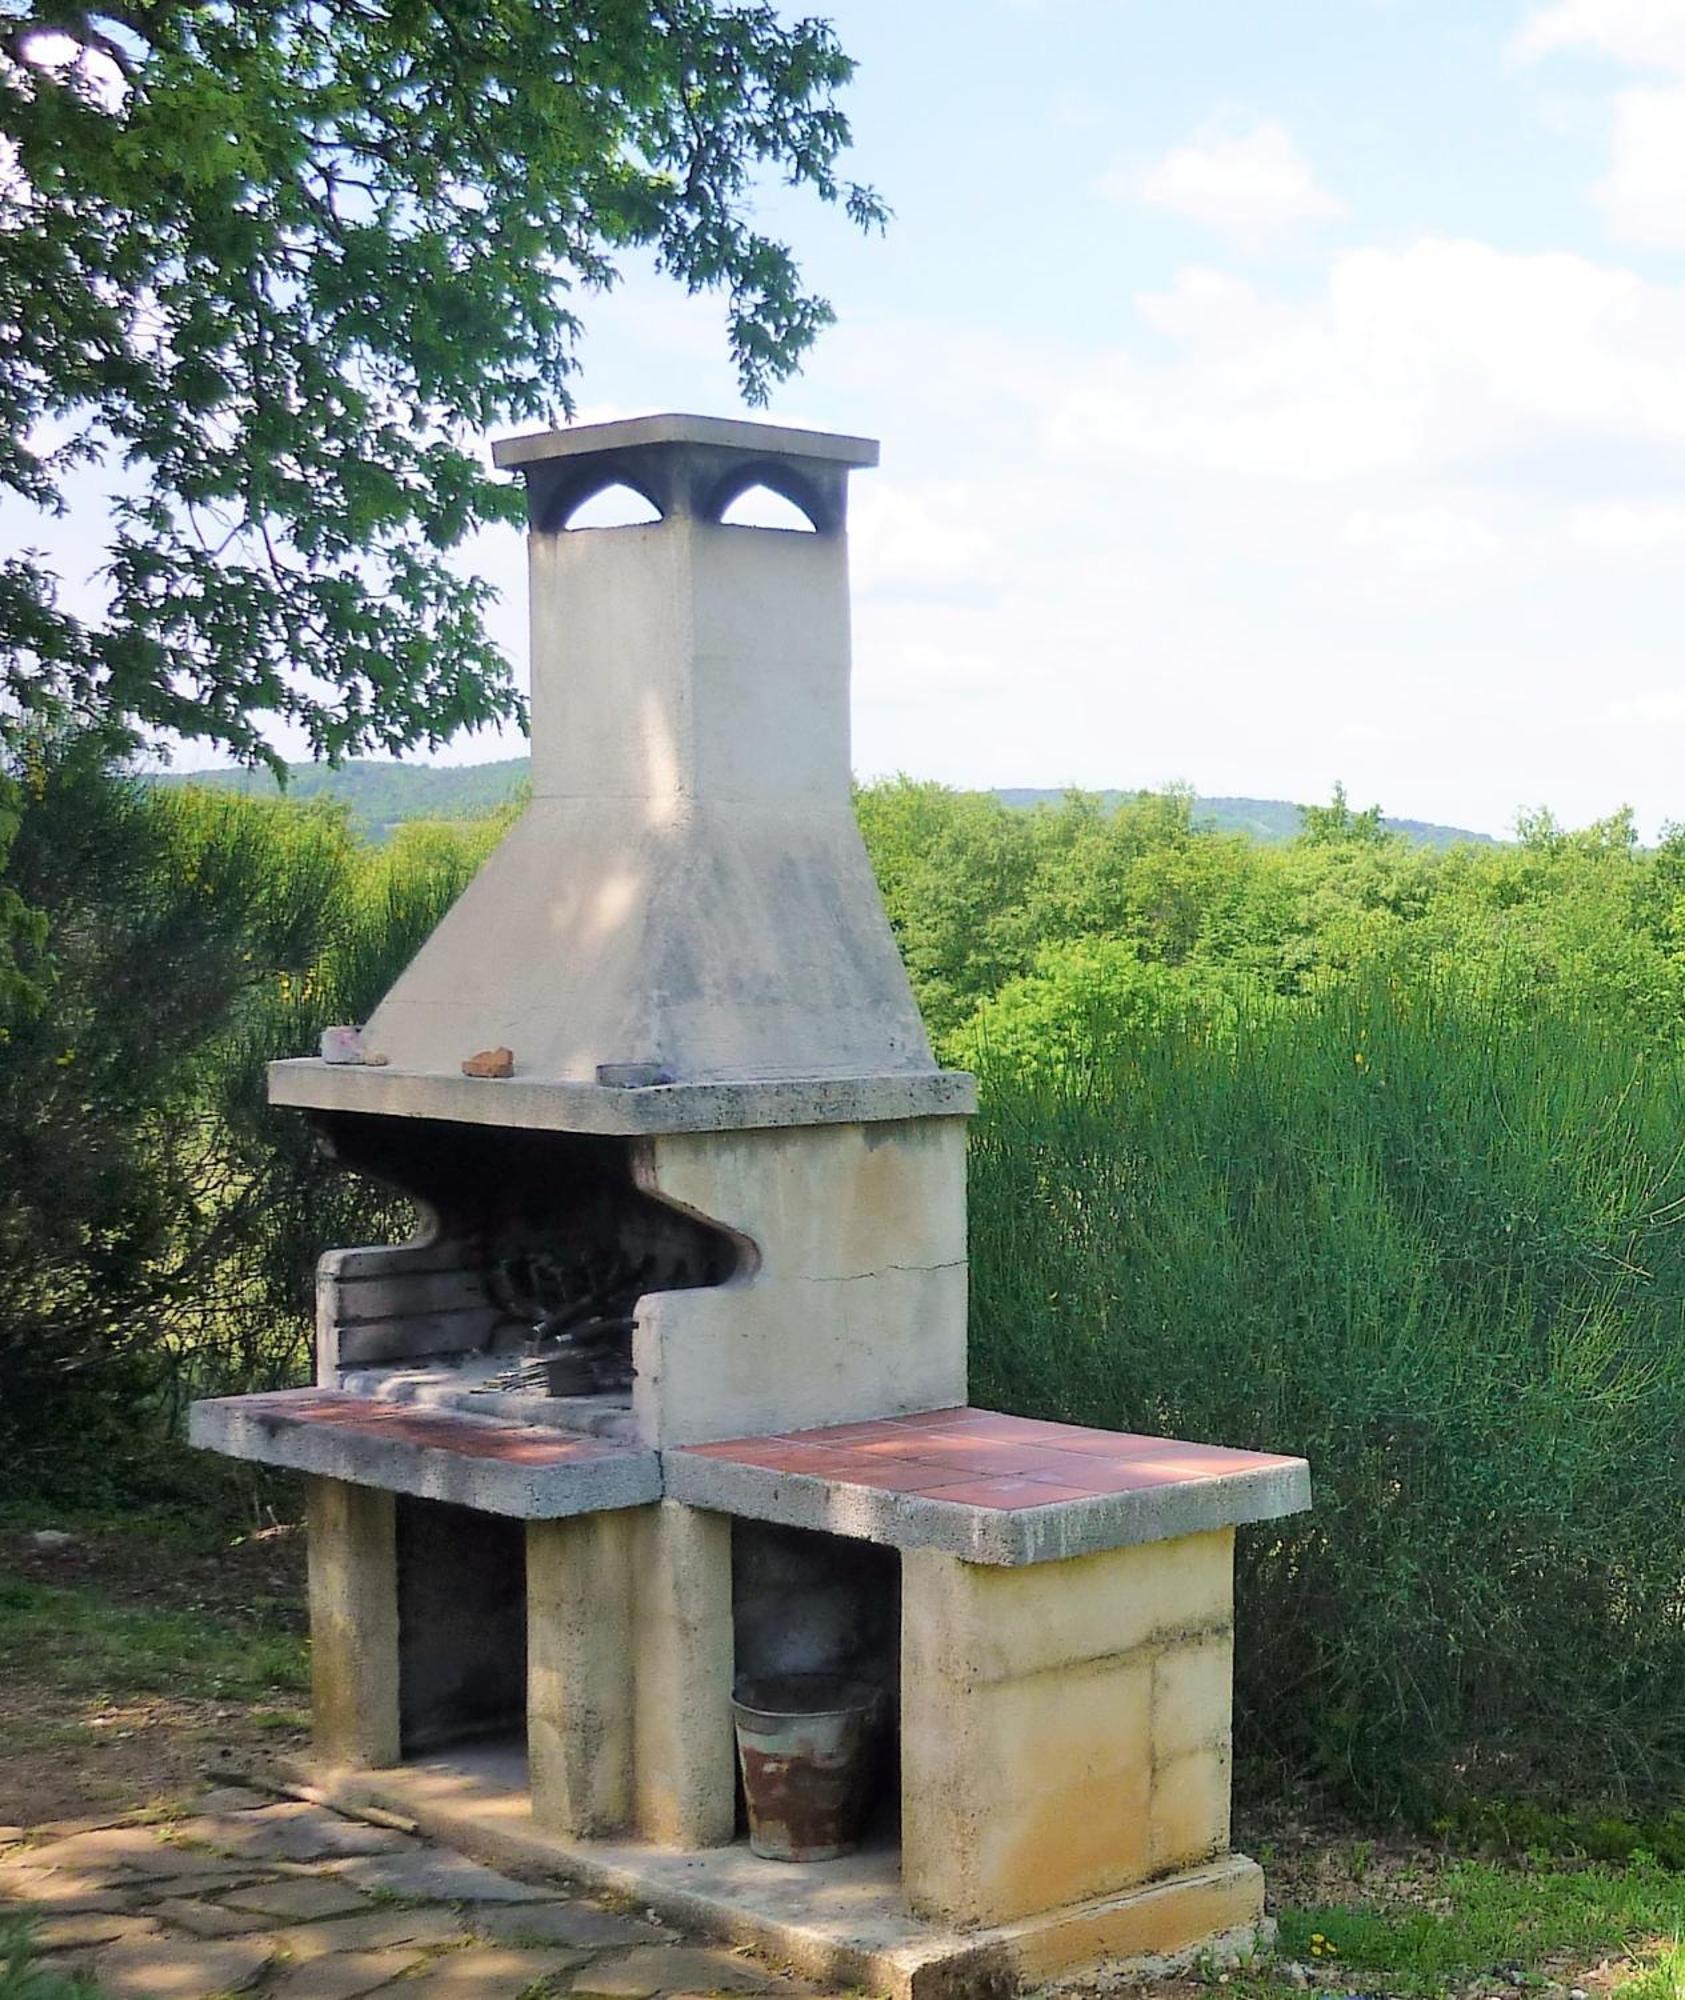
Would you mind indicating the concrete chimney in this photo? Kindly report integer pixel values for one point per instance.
(687, 899)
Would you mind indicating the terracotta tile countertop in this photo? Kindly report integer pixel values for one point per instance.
(502, 1466)
(988, 1487)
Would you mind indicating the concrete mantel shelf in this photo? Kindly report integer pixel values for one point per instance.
(525, 1470)
(551, 1105)
(988, 1488)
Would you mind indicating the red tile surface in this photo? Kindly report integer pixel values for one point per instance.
(1008, 1493)
(980, 1458)
(438, 1430)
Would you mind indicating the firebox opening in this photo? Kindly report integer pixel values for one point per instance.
(524, 1282)
(804, 1602)
(462, 1625)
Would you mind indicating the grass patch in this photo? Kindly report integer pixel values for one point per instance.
(1480, 1920)
(77, 1640)
(1662, 1979)
(24, 1977)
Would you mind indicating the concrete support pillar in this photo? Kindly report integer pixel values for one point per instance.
(685, 1756)
(629, 1666)
(353, 1625)
(580, 1583)
(1064, 1727)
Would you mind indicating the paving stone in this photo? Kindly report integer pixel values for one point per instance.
(582, 1925)
(193, 1913)
(431, 1875)
(671, 1968)
(63, 1889)
(191, 1870)
(341, 1975)
(61, 1829)
(231, 1799)
(79, 1932)
(373, 1930)
(135, 1847)
(291, 1833)
(300, 1900)
(483, 1972)
(134, 1854)
(180, 1969)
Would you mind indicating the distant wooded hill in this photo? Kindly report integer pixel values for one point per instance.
(381, 795)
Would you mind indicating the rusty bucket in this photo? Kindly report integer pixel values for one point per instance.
(805, 1743)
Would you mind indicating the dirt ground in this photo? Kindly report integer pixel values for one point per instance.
(93, 1719)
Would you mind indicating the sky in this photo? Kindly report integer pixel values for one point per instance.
(1270, 395)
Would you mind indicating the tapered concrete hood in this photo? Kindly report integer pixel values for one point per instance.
(686, 902)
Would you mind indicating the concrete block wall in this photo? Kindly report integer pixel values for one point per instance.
(1064, 1727)
(852, 1303)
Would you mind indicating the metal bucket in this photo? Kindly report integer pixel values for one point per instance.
(805, 1744)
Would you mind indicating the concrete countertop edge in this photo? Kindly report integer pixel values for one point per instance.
(630, 1476)
(307, 1083)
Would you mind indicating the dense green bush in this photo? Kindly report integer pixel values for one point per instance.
(1435, 1248)
(158, 1223)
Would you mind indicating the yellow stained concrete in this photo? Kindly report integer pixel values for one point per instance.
(580, 1580)
(681, 1664)
(1193, 1694)
(629, 1666)
(353, 1625)
(1033, 1769)
(986, 1622)
(1163, 1920)
(1190, 1807)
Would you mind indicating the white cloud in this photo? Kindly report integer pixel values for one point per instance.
(1664, 708)
(1640, 528)
(1446, 359)
(1424, 538)
(1416, 530)
(1643, 194)
(1252, 185)
(1643, 34)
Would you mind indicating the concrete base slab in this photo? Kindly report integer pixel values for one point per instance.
(840, 1922)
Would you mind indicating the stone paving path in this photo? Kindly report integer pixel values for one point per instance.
(290, 1901)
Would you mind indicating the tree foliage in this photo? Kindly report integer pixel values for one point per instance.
(159, 1225)
(277, 266)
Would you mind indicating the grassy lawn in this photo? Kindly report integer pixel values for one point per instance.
(1487, 1919)
(141, 1654)
(1386, 1916)
(87, 1645)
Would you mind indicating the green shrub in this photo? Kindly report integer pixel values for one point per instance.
(1430, 1239)
(159, 1224)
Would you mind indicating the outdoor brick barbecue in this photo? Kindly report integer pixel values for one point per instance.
(669, 1393)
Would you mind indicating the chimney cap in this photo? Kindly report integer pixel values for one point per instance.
(512, 454)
